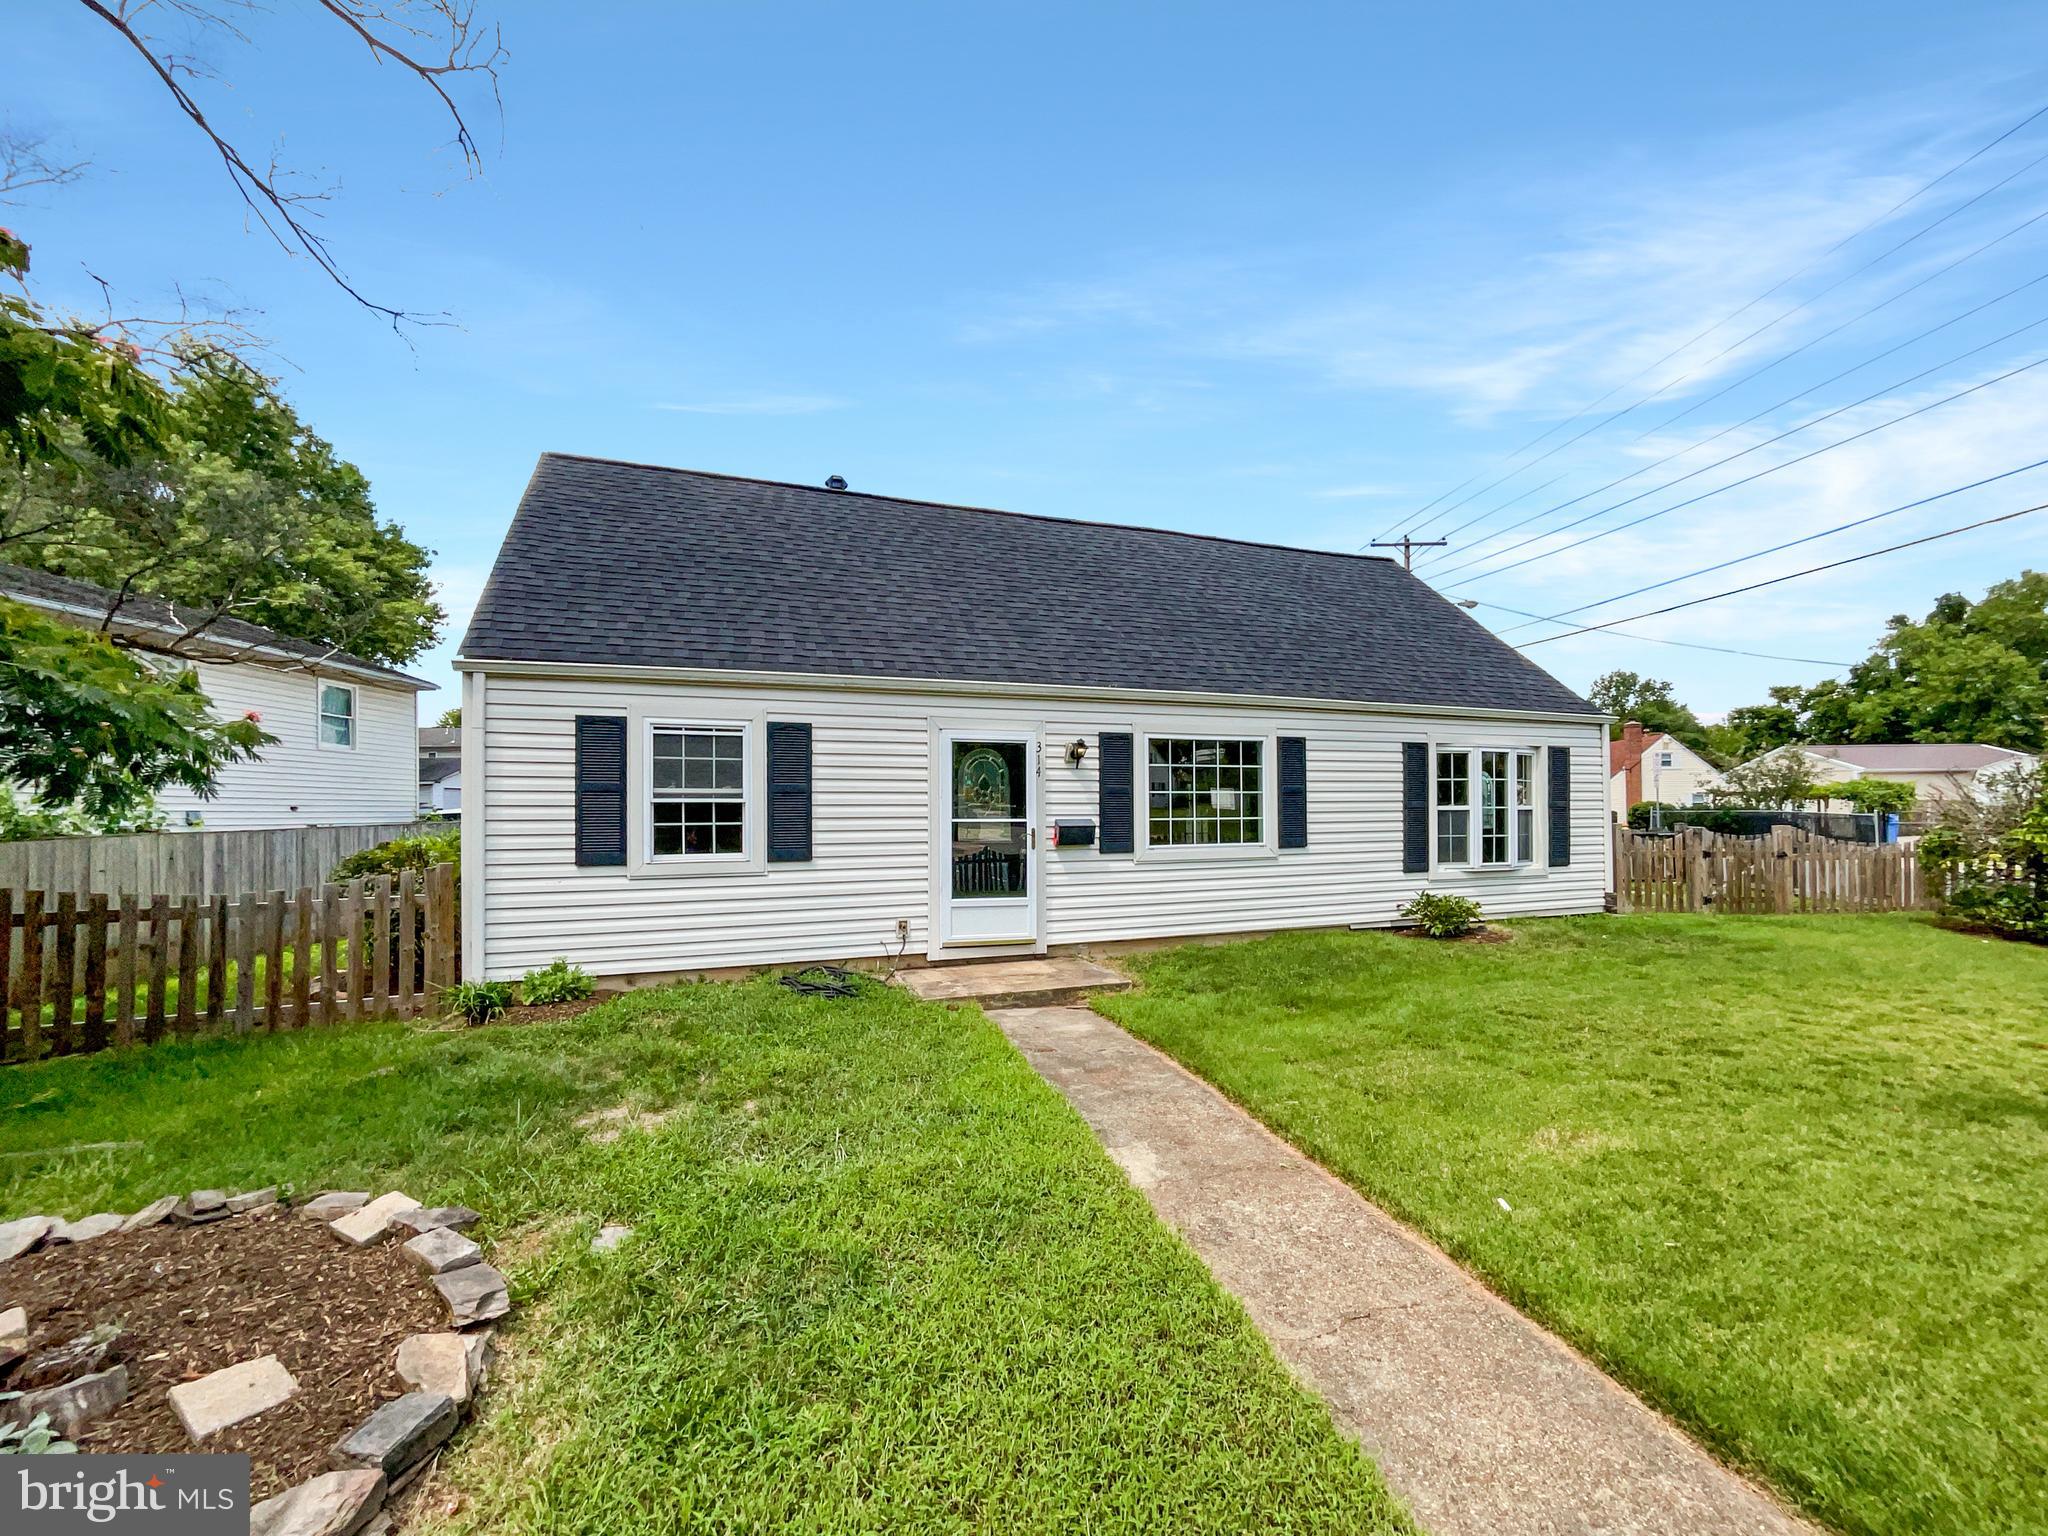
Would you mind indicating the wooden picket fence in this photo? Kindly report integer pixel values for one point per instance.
(199, 863)
(85, 973)
(1694, 870)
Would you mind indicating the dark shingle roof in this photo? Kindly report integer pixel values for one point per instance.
(155, 623)
(434, 769)
(612, 563)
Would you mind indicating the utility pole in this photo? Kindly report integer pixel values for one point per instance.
(1408, 546)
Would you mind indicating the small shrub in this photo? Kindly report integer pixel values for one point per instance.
(478, 1001)
(393, 858)
(1883, 796)
(1670, 816)
(1989, 856)
(400, 854)
(1441, 916)
(35, 1438)
(558, 982)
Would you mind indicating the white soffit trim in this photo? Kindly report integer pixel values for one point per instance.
(716, 678)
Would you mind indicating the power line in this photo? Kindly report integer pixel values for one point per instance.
(1804, 304)
(1722, 565)
(1772, 469)
(1855, 234)
(1690, 645)
(1757, 373)
(1906, 292)
(1814, 570)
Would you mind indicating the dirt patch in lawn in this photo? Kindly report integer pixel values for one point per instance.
(191, 1300)
(607, 1125)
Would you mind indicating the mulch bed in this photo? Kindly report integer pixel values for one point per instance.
(194, 1299)
(1476, 936)
(549, 1013)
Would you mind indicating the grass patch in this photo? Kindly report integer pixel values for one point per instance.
(1783, 1175)
(882, 1278)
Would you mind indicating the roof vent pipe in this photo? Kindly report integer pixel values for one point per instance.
(835, 482)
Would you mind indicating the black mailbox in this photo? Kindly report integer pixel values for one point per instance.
(1073, 834)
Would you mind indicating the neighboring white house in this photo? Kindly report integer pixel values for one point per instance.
(344, 726)
(719, 722)
(1654, 766)
(441, 769)
(1936, 770)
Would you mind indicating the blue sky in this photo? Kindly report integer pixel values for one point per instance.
(1280, 272)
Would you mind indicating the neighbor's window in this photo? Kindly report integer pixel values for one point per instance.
(1204, 791)
(1485, 807)
(1664, 759)
(697, 779)
(337, 715)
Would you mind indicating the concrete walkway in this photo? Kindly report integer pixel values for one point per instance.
(1045, 981)
(1481, 1420)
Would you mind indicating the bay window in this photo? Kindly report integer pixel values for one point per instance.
(1485, 807)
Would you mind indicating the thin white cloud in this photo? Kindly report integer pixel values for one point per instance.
(758, 405)
(1619, 269)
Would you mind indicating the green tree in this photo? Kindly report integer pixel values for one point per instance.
(1778, 781)
(1967, 672)
(1650, 700)
(451, 718)
(1883, 795)
(1757, 728)
(243, 511)
(85, 725)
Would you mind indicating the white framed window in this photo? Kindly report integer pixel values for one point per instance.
(1485, 806)
(697, 792)
(1205, 791)
(1665, 759)
(1454, 807)
(337, 715)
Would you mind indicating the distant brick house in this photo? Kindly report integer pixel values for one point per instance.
(1654, 766)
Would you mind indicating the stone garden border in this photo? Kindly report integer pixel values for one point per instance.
(78, 1381)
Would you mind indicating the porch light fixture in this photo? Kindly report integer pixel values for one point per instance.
(1076, 750)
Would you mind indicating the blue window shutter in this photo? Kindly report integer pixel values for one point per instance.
(600, 789)
(789, 792)
(1293, 791)
(1560, 805)
(1113, 794)
(1415, 807)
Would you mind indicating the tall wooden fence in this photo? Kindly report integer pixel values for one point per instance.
(202, 864)
(1694, 870)
(84, 973)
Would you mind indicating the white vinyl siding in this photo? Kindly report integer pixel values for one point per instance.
(297, 781)
(874, 751)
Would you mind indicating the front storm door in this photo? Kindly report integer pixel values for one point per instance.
(988, 839)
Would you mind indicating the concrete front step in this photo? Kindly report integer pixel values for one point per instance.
(1052, 982)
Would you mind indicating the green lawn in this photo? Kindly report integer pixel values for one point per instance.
(883, 1278)
(1786, 1176)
